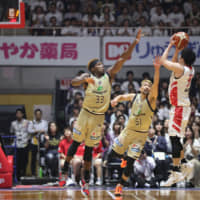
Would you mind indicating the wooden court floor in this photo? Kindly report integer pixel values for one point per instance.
(100, 194)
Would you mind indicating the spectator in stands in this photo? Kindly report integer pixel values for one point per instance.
(144, 171)
(73, 13)
(53, 13)
(143, 24)
(195, 13)
(163, 111)
(125, 15)
(69, 29)
(187, 5)
(37, 128)
(125, 29)
(175, 18)
(54, 31)
(168, 141)
(74, 115)
(196, 129)
(41, 3)
(19, 128)
(51, 143)
(106, 15)
(59, 5)
(110, 4)
(91, 30)
(195, 28)
(90, 15)
(64, 145)
(106, 139)
(140, 12)
(158, 16)
(38, 21)
(106, 30)
(129, 79)
(191, 147)
(160, 30)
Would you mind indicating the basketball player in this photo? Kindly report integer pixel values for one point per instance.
(179, 86)
(134, 135)
(96, 102)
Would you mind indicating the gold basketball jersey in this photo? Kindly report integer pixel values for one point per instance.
(141, 114)
(97, 96)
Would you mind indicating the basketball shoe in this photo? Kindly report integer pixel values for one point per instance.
(84, 188)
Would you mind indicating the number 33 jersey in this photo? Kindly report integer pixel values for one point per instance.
(179, 87)
(141, 115)
(97, 95)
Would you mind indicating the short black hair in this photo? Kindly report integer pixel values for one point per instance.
(38, 110)
(129, 72)
(188, 56)
(19, 110)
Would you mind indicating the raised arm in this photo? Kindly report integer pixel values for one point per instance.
(172, 65)
(82, 79)
(124, 97)
(154, 89)
(125, 56)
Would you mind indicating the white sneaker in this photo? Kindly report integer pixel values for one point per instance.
(70, 182)
(174, 177)
(98, 182)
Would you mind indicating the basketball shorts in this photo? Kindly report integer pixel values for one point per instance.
(88, 128)
(130, 141)
(178, 119)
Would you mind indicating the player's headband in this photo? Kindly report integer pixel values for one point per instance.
(92, 64)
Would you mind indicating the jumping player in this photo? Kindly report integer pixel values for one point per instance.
(134, 135)
(96, 102)
(179, 86)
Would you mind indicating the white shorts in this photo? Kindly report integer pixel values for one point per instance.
(178, 119)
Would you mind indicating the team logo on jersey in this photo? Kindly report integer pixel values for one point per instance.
(76, 131)
(135, 148)
(100, 88)
(117, 142)
(94, 136)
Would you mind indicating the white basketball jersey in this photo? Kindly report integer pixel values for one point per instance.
(179, 88)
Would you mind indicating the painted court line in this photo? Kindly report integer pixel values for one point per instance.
(135, 197)
(111, 194)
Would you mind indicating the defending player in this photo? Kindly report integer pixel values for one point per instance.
(134, 135)
(179, 86)
(96, 102)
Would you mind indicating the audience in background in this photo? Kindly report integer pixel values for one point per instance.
(19, 128)
(37, 128)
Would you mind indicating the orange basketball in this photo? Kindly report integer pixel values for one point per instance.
(181, 39)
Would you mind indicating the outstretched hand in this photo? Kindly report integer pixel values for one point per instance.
(157, 62)
(114, 103)
(138, 36)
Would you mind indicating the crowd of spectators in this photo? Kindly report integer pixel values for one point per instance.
(113, 18)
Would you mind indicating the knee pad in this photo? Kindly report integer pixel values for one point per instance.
(73, 148)
(176, 146)
(129, 166)
(88, 154)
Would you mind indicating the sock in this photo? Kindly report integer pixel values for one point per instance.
(87, 176)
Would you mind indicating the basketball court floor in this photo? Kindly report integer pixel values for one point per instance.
(96, 193)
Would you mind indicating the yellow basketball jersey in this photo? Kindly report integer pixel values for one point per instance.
(97, 96)
(141, 114)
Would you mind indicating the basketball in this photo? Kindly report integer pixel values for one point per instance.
(181, 39)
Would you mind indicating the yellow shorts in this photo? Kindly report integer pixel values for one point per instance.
(88, 128)
(130, 141)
